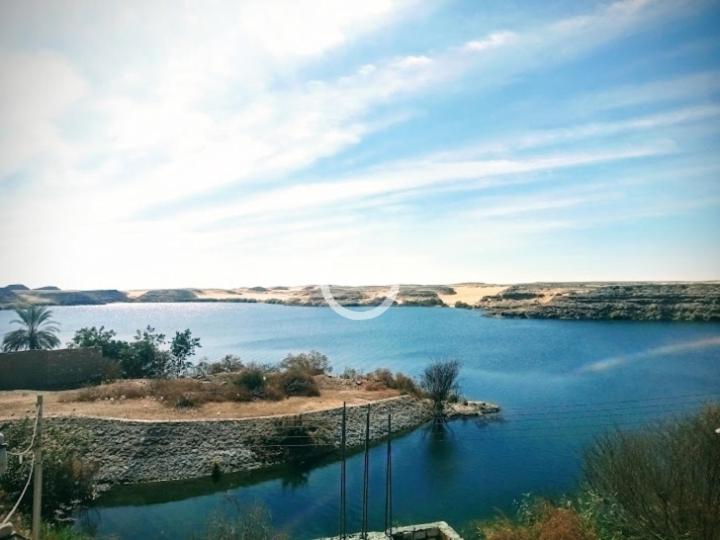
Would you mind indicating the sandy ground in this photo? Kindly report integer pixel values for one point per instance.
(21, 403)
(233, 294)
(471, 293)
(467, 292)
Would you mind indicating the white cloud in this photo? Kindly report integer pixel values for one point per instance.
(494, 40)
(209, 97)
(29, 112)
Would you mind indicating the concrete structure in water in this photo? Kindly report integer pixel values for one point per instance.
(438, 530)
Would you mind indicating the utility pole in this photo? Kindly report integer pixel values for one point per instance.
(343, 476)
(366, 478)
(388, 480)
(37, 475)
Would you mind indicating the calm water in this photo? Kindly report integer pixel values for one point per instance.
(560, 383)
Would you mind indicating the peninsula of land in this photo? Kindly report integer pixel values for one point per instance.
(656, 301)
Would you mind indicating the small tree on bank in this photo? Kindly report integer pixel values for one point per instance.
(440, 382)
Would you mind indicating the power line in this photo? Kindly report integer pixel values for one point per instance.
(581, 404)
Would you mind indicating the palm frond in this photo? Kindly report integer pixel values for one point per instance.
(16, 340)
(39, 331)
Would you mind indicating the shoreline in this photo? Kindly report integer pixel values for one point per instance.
(127, 451)
(697, 301)
(139, 451)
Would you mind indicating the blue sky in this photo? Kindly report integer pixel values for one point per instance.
(168, 144)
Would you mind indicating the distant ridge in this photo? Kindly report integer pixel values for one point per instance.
(651, 301)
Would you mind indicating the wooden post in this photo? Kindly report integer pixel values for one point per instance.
(37, 475)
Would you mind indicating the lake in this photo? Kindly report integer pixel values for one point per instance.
(560, 383)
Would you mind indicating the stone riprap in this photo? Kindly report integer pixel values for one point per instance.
(135, 451)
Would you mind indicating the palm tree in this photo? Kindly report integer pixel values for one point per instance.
(39, 331)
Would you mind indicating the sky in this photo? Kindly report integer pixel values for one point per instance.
(153, 144)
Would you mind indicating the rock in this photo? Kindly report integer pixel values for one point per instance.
(608, 301)
(471, 408)
(135, 451)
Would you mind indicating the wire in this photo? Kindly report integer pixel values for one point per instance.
(32, 439)
(27, 484)
(643, 400)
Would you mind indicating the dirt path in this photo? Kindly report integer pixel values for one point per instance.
(21, 403)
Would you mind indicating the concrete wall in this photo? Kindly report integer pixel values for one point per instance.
(47, 370)
(438, 530)
(134, 451)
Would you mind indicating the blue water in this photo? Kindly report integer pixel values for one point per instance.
(560, 383)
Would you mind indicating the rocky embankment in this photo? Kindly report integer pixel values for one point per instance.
(609, 301)
(134, 451)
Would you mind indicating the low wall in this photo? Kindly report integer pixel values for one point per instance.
(134, 451)
(50, 370)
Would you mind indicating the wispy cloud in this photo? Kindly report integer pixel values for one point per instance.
(656, 352)
(241, 124)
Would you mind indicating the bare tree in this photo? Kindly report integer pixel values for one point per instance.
(440, 383)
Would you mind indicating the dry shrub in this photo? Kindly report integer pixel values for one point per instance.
(295, 382)
(406, 385)
(312, 363)
(376, 386)
(114, 391)
(563, 524)
(539, 520)
(382, 379)
(661, 481)
(187, 393)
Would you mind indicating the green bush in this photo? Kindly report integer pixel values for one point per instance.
(252, 380)
(68, 480)
(148, 356)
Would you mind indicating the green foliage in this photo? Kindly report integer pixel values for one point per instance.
(38, 330)
(312, 363)
(253, 380)
(662, 481)
(146, 356)
(182, 348)
(101, 338)
(67, 478)
(62, 532)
